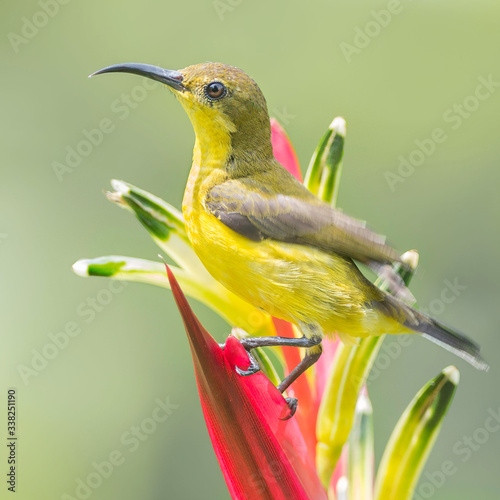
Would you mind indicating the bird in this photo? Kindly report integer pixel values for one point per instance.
(263, 235)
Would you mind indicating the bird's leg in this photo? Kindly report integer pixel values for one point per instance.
(311, 341)
(253, 342)
(250, 343)
(312, 355)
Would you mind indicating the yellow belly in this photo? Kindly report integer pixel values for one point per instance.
(292, 282)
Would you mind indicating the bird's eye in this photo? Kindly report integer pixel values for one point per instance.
(215, 90)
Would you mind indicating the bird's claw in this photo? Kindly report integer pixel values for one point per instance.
(292, 408)
(250, 371)
(254, 367)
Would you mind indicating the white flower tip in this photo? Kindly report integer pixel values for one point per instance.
(114, 197)
(80, 267)
(452, 374)
(364, 404)
(120, 187)
(342, 488)
(339, 126)
(410, 258)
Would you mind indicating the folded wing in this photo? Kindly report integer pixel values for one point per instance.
(258, 216)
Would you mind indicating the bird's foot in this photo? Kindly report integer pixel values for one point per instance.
(254, 367)
(289, 412)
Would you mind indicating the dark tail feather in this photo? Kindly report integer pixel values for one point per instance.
(453, 341)
(436, 332)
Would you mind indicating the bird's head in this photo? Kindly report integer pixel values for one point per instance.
(222, 102)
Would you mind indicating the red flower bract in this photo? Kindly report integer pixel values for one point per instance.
(261, 456)
(283, 149)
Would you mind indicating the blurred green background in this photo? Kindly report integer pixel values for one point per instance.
(394, 86)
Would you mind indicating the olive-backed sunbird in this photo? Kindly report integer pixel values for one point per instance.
(265, 237)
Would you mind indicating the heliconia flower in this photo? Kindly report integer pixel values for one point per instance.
(413, 437)
(326, 448)
(325, 168)
(302, 389)
(360, 448)
(262, 456)
(165, 224)
(350, 369)
(283, 150)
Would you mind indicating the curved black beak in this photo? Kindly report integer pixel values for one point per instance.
(167, 76)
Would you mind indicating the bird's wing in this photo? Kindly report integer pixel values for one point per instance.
(306, 221)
